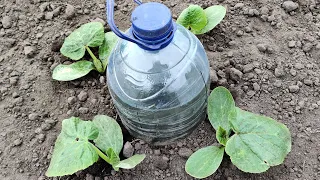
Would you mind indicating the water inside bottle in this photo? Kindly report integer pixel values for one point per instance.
(160, 96)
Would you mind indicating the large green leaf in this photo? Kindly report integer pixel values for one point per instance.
(110, 40)
(214, 15)
(193, 17)
(72, 71)
(204, 162)
(110, 134)
(131, 162)
(90, 34)
(221, 108)
(72, 150)
(259, 142)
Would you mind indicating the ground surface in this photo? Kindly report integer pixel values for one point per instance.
(267, 56)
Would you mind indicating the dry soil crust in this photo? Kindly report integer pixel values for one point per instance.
(265, 51)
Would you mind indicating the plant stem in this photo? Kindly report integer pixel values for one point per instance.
(97, 63)
(101, 154)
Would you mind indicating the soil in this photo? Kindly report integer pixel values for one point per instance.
(266, 52)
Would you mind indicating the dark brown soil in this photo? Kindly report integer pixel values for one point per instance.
(268, 57)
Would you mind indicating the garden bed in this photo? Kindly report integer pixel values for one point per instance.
(266, 53)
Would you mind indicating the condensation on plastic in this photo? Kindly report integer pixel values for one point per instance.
(160, 96)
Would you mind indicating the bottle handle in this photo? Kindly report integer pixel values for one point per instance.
(113, 27)
(138, 2)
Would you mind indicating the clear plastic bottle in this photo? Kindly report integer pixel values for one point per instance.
(160, 95)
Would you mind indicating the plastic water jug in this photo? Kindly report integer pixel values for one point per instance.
(158, 75)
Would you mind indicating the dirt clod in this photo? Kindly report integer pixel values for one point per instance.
(128, 150)
(294, 88)
(161, 162)
(307, 47)
(213, 76)
(308, 82)
(137, 146)
(262, 47)
(17, 142)
(248, 67)
(102, 80)
(56, 45)
(83, 110)
(290, 6)
(157, 152)
(71, 100)
(239, 6)
(89, 177)
(41, 137)
(185, 152)
(256, 86)
(47, 125)
(279, 72)
(299, 66)
(29, 51)
(48, 15)
(70, 11)
(6, 22)
(83, 96)
(292, 44)
(235, 74)
(33, 116)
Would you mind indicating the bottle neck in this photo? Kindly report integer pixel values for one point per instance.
(146, 33)
(161, 41)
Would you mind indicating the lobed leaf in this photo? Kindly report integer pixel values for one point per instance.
(110, 136)
(221, 108)
(72, 150)
(72, 71)
(131, 162)
(204, 162)
(110, 40)
(259, 142)
(90, 34)
(215, 15)
(193, 17)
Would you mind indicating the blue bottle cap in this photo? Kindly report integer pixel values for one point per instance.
(151, 21)
(152, 25)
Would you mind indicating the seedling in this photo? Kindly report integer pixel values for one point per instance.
(258, 142)
(201, 21)
(79, 42)
(81, 143)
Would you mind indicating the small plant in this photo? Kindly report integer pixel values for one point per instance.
(74, 149)
(88, 36)
(258, 142)
(201, 21)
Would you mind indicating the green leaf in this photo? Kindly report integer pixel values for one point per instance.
(72, 150)
(110, 40)
(110, 134)
(72, 71)
(193, 17)
(131, 162)
(222, 136)
(114, 158)
(98, 65)
(214, 15)
(90, 34)
(204, 162)
(221, 108)
(96, 62)
(259, 142)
